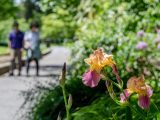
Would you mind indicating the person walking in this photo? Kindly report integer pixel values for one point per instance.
(32, 45)
(16, 44)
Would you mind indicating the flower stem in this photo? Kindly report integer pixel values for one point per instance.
(65, 101)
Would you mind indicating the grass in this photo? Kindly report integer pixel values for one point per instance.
(4, 50)
(43, 48)
(65, 44)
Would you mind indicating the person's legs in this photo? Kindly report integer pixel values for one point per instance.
(19, 54)
(28, 66)
(13, 57)
(37, 66)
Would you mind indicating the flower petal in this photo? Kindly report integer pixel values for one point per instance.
(141, 45)
(144, 101)
(123, 97)
(137, 84)
(91, 78)
(149, 91)
(140, 33)
(98, 59)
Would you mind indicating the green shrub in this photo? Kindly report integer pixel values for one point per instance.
(56, 29)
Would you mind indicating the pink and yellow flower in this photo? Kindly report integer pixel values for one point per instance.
(97, 61)
(144, 91)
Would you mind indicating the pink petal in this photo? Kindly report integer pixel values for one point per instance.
(124, 97)
(91, 78)
(140, 33)
(141, 45)
(144, 101)
(149, 91)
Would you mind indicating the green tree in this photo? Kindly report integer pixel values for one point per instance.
(8, 9)
(31, 7)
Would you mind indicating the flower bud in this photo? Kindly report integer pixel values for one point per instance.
(59, 116)
(70, 100)
(110, 90)
(63, 75)
(115, 72)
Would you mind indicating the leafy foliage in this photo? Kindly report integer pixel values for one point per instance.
(7, 8)
(56, 29)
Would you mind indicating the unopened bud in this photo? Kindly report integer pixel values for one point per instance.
(110, 90)
(70, 100)
(59, 116)
(63, 75)
(115, 72)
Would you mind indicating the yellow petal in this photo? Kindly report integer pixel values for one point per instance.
(99, 59)
(137, 84)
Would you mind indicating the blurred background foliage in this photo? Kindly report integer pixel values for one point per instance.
(55, 17)
(88, 24)
(112, 25)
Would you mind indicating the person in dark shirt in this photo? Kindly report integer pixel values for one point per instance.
(16, 44)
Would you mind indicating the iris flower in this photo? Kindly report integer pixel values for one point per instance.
(97, 61)
(144, 91)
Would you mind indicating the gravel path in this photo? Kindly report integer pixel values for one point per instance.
(12, 88)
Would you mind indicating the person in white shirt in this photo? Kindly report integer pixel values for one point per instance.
(32, 45)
